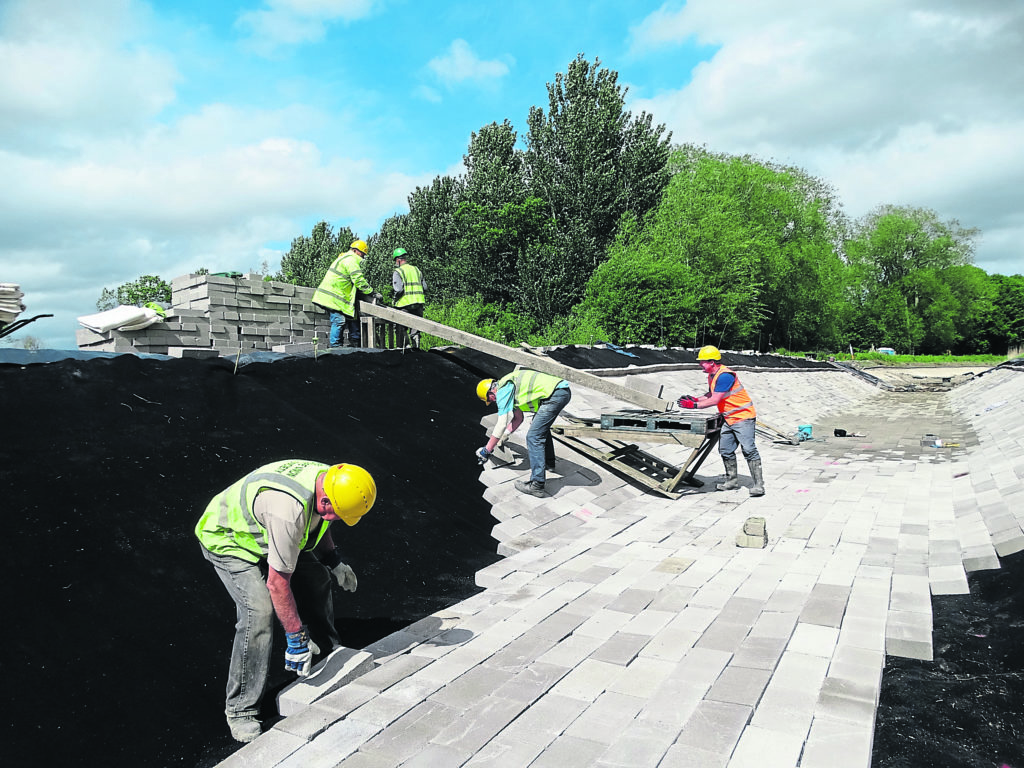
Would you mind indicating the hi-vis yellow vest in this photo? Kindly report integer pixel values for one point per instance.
(337, 290)
(412, 286)
(531, 387)
(228, 526)
(737, 405)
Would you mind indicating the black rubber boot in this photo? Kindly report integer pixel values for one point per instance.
(732, 477)
(757, 489)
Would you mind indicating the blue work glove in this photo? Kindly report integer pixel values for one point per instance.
(298, 656)
(687, 401)
(482, 455)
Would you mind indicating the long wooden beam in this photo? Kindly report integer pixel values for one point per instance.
(518, 356)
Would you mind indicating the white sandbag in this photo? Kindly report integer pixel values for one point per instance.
(152, 316)
(102, 322)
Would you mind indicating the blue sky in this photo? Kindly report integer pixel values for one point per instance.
(157, 137)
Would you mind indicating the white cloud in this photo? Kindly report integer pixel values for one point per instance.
(292, 22)
(460, 64)
(97, 192)
(65, 77)
(910, 102)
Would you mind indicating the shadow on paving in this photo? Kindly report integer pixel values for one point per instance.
(118, 642)
(964, 709)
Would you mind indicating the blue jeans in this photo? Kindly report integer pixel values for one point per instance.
(254, 628)
(340, 321)
(539, 444)
(742, 434)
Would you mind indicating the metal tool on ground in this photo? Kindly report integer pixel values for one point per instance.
(614, 429)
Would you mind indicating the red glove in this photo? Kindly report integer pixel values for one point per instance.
(687, 401)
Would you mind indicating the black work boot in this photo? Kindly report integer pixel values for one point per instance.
(757, 489)
(532, 488)
(732, 477)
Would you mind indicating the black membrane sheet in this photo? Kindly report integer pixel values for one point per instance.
(964, 709)
(117, 631)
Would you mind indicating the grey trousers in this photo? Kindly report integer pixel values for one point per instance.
(254, 627)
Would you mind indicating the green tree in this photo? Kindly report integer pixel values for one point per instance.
(136, 293)
(591, 161)
(902, 261)
(1003, 328)
(308, 259)
(739, 253)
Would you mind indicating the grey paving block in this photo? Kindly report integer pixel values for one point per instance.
(837, 744)
(761, 747)
(341, 666)
(270, 748)
(606, 717)
(715, 726)
(909, 634)
(570, 752)
(621, 648)
(529, 684)
(333, 745)
(640, 745)
(739, 685)
(473, 728)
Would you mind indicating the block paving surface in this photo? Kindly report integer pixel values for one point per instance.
(626, 629)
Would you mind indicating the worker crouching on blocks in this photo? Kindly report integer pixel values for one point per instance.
(268, 537)
(727, 394)
(526, 390)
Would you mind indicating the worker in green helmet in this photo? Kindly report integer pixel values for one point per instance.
(410, 295)
(267, 535)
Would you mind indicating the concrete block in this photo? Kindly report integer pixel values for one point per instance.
(193, 353)
(341, 666)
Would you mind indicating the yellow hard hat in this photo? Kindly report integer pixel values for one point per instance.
(351, 491)
(709, 353)
(483, 388)
(361, 245)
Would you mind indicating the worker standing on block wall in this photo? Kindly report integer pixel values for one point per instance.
(526, 390)
(338, 293)
(268, 537)
(730, 397)
(410, 294)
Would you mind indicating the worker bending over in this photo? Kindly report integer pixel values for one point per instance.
(730, 397)
(274, 525)
(526, 390)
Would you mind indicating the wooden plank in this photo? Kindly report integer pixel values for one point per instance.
(518, 356)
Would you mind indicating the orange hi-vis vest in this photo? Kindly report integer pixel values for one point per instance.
(737, 405)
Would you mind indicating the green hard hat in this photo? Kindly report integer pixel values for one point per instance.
(399, 253)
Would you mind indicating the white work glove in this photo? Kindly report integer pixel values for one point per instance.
(345, 577)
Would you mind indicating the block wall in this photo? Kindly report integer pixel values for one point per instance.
(225, 315)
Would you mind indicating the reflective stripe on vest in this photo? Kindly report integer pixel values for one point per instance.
(229, 527)
(737, 405)
(531, 387)
(412, 286)
(338, 288)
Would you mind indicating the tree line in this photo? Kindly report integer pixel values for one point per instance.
(598, 228)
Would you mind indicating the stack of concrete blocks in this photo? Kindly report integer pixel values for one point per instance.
(754, 535)
(224, 315)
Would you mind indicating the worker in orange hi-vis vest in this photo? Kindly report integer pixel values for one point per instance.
(726, 393)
